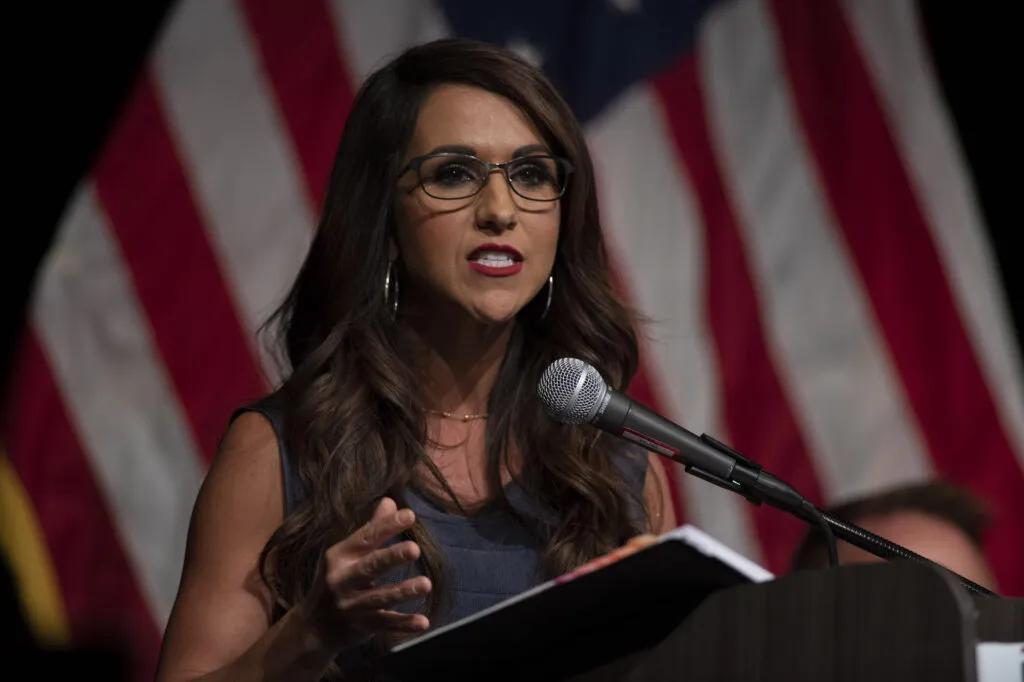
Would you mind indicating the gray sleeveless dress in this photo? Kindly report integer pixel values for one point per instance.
(489, 556)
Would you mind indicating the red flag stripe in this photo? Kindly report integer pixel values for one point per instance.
(645, 389)
(756, 410)
(105, 605)
(887, 236)
(632, 134)
(301, 58)
(144, 191)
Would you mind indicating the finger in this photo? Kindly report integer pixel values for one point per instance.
(362, 573)
(385, 596)
(393, 620)
(387, 522)
(385, 507)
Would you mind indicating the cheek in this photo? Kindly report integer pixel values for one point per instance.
(547, 238)
(426, 245)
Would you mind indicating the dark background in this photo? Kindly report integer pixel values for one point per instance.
(72, 65)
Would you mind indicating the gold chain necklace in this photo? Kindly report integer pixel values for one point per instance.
(464, 418)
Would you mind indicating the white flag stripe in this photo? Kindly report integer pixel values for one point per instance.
(370, 33)
(888, 33)
(235, 151)
(820, 328)
(655, 232)
(130, 425)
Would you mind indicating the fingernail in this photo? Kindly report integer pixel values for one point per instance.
(404, 516)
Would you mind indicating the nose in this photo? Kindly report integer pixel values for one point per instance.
(496, 209)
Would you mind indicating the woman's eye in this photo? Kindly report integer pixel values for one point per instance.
(453, 174)
(531, 174)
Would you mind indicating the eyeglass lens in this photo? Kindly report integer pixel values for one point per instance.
(457, 176)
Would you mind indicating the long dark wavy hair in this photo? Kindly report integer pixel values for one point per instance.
(354, 404)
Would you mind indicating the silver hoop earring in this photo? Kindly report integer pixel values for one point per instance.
(551, 290)
(389, 300)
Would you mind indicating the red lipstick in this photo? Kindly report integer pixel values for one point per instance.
(496, 260)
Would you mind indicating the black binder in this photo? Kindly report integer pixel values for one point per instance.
(617, 606)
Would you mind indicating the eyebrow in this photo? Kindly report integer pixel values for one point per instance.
(530, 149)
(463, 149)
(452, 149)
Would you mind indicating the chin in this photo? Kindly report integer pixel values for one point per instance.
(495, 318)
(495, 313)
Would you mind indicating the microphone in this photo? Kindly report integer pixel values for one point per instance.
(574, 392)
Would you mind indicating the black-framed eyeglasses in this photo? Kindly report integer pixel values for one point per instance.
(451, 175)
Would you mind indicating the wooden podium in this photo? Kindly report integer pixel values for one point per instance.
(671, 612)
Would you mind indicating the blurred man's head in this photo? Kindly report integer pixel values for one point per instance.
(936, 520)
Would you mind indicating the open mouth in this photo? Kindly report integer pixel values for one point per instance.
(496, 260)
(495, 255)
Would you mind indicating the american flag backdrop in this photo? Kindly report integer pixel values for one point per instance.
(782, 190)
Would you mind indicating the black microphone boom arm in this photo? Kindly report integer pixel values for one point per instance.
(574, 392)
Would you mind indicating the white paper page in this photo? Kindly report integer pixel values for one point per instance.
(706, 544)
(999, 662)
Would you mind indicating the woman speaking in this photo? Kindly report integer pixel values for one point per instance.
(404, 474)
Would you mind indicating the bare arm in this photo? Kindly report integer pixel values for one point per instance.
(220, 626)
(658, 497)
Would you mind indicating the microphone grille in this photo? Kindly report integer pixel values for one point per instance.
(571, 390)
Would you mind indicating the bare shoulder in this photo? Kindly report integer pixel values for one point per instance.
(244, 482)
(250, 433)
(249, 449)
(241, 502)
(222, 606)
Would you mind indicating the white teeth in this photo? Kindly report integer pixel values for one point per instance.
(494, 259)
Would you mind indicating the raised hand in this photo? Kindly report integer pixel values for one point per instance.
(347, 607)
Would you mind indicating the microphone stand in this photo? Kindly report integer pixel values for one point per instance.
(750, 480)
